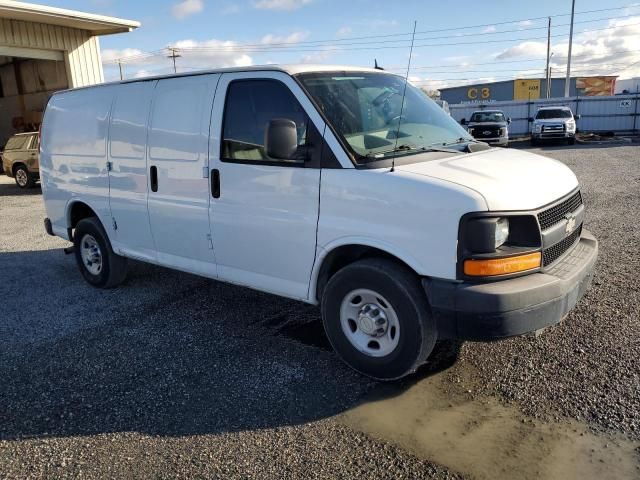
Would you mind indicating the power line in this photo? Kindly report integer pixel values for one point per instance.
(514, 61)
(261, 47)
(338, 48)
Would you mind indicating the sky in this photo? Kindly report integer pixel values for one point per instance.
(456, 43)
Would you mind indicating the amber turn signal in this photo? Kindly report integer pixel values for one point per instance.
(502, 266)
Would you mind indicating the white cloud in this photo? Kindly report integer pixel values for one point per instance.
(211, 54)
(112, 54)
(343, 32)
(489, 29)
(524, 49)
(281, 4)
(320, 56)
(525, 23)
(596, 52)
(142, 73)
(294, 37)
(187, 7)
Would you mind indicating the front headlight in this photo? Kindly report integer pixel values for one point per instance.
(571, 125)
(501, 231)
(537, 128)
(486, 234)
(493, 245)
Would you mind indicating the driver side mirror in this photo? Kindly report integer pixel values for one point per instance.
(531, 119)
(509, 120)
(577, 117)
(463, 121)
(281, 139)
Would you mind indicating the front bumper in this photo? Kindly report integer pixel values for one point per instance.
(552, 135)
(492, 310)
(495, 140)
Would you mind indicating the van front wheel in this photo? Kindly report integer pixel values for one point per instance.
(97, 262)
(377, 318)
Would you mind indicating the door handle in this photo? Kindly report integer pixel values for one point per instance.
(153, 178)
(215, 183)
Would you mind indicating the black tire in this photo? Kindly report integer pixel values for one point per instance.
(571, 141)
(402, 289)
(113, 268)
(534, 142)
(23, 178)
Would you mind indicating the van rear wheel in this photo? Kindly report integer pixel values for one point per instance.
(377, 318)
(97, 262)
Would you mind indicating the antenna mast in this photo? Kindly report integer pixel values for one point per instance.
(404, 92)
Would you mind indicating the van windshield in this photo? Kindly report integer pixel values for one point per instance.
(364, 108)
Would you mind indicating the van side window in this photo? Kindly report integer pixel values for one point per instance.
(249, 106)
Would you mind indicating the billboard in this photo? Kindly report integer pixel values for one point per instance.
(595, 86)
(526, 89)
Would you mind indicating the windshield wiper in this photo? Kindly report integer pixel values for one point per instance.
(405, 148)
(457, 142)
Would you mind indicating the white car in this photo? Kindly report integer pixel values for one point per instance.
(322, 185)
(554, 123)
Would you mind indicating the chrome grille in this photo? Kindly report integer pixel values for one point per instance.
(549, 217)
(554, 252)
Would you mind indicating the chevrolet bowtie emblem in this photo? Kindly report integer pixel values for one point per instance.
(571, 224)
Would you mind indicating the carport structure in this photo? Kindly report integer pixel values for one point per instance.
(44, 49)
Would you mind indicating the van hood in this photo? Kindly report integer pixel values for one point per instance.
(508, 179)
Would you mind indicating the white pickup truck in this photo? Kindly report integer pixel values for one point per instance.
(319, 184)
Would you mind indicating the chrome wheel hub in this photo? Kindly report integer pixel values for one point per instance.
(372, 320)
(21, 177)
(369, 322)
(91, 254)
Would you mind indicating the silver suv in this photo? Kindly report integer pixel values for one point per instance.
(551, 123)
(20, 159)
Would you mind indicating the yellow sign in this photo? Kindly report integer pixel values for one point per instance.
(526, 89)
(479, 93)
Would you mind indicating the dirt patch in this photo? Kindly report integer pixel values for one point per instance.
(479, 436)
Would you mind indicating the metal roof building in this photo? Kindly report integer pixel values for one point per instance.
(527, 89)
(44, 49)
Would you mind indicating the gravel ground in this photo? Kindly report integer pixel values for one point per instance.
(174, 375)
(586, 368)
(171, 375)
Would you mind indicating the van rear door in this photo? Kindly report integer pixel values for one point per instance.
(178, 172)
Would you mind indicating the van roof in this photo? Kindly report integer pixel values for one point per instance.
(555, 107)
(292, 69)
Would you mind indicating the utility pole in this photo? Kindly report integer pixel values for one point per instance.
(568, 78)
(548, 55)
(173, 55)
(120, 67)
(549, 76)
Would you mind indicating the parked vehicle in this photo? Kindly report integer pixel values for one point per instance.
(553, 123)
(20, 159)
(490, 126)
(322, 184)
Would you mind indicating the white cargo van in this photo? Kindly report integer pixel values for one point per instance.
(322, 185)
